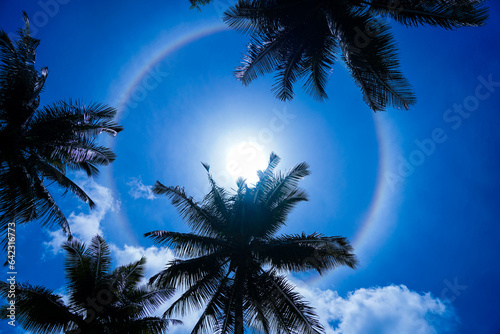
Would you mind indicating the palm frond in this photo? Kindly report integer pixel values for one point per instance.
(318, 61)
(142, 301)
(213, 309)
(79, 274)
(38, 309)
(277, 214)
(289, 306)
(127, 307)
(199, 220)
(444, 14)
(374, 66)
(184, 273)
(305, 252)
(74, 153)
(186, 244)
(47, 210)
(100, 260)
(266, 177)
(245, 17)
(216, 201)
(48, 171)
(202, 289)
(262, 309)
(151, 325)
(222, 270)
(128, 276)
(75, 117)
(298, 38)
(39, 144)
(284, 184)
(289, 70)
(260, 58)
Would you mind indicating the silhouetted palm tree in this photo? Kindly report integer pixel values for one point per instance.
(98, 300)
(304, 38)
(38, 145)
(232, 259)
(197, 3)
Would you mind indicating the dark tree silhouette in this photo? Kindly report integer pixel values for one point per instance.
(304, 38)
(38, 144)
(197, 3)
(232, 260)
(99, 300)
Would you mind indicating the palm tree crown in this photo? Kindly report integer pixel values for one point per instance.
(304, 38)
(100, 300)
(231, 261)
(39, 144)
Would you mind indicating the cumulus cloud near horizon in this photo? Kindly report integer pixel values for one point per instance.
(139, 189)
(392, 309)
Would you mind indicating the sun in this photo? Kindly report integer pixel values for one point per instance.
(245, 159)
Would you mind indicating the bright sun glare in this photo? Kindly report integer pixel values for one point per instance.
(245, 159)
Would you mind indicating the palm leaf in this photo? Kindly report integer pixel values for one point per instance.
(48, 171)
(186, 244)
(295, 38)
(212, 312)
(444, 14)
(128, 276)
(39, 144)
(305, 252)
(289, 305)
(222, 269)
(199, 220)
(38, 309)
(200, 291)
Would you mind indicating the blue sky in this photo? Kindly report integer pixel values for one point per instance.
(416, 191)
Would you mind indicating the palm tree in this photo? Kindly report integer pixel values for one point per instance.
(197, 3)
(304, 38)
(231, 262)
(38, 144)
(98, 300)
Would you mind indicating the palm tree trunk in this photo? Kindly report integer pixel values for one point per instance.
(238, 301)
(238, 314)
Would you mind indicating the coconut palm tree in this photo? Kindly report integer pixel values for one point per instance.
(38, 144)
(304, 38)
(197, 3)
(232, 263)
(99, 300)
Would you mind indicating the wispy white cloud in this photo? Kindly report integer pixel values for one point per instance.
(156, 260)
(139, 189)
(392, 309)
(382, 310)
(84, 226)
